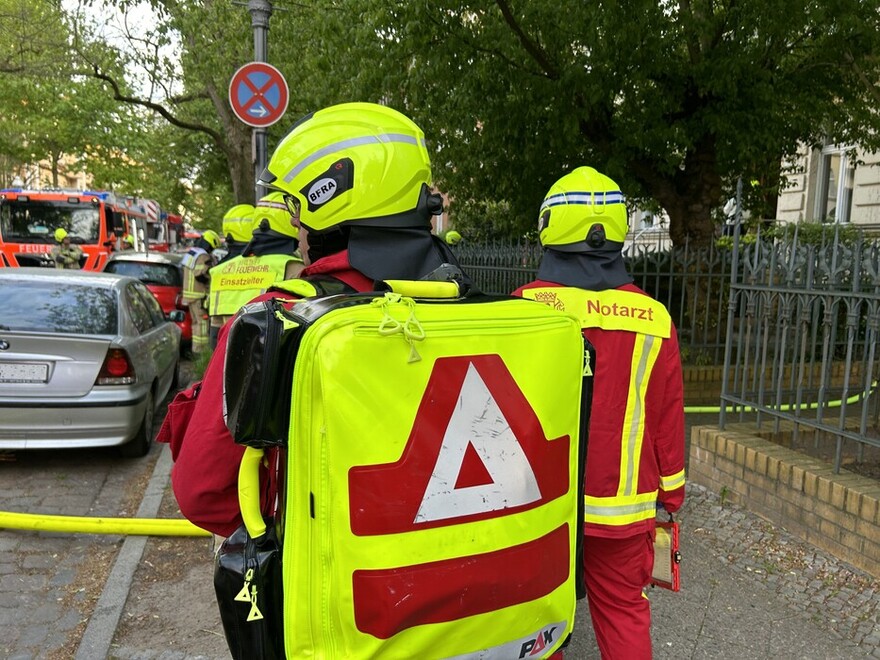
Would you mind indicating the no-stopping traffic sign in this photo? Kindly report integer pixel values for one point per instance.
(258, 94)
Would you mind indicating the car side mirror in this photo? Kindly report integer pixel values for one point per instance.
(177, 316)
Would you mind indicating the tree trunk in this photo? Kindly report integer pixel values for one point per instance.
(688, 195)
(237, 148)
(54, 168)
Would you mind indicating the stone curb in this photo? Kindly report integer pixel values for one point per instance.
(102, 625)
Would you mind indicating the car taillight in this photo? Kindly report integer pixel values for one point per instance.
(117, 369)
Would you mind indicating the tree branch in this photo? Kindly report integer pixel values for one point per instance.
(155, 107)
(474, 46)
(531, 47)
(869, 85)
(691, 40)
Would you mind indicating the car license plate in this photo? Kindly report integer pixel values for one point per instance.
(23, 372)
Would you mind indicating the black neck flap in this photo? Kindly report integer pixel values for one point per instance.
(270, 242)
(597, 270)
(397, 254)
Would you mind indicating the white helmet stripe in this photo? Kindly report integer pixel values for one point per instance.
(348, 144)
(265, 203)
(586, 198)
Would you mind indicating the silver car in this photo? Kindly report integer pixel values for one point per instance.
(85, 358)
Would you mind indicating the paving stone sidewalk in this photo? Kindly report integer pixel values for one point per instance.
(749, 591)
(48, 580)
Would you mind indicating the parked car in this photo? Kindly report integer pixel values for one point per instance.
(85, 358)
(163, 275)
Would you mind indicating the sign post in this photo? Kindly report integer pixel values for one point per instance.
(258, 95)
(261, 11)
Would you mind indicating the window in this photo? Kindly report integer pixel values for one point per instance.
(35, 221)
(140, 314)
(44, 306)
(148, 273)
(835, 185)
(151, 304)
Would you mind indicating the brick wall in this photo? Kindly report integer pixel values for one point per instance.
(839, 513)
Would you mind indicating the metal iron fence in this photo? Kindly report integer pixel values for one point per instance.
(793, 322)
(802, 332)
(692, 283)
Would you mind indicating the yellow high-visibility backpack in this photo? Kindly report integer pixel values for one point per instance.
(431, 467)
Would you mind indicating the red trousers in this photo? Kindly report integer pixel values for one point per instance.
(616, 570)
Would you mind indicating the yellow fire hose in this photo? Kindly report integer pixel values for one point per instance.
(250, 509)
(786, 407)
(89, 525)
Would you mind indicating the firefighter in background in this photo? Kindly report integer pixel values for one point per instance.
(237, 233)
(635, 452)
(269, 257)
(237, 225)
(128, 242)
(65, 254)
(196, 263)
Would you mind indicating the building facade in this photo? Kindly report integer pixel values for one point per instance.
(832, 184)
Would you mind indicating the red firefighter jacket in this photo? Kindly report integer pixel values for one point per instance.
(206, 458)
(635, 451)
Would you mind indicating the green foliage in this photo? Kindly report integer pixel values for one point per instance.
(696, 357)
(200, 364)
(673, 101)
(815, 233)
(485, 220)
(46, 111)
(726, 242)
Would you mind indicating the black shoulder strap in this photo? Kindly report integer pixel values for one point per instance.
(313, 286)
(327, 285)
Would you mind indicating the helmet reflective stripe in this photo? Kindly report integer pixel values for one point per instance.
(266, 203)
(348, 144)
(273, 210)
(587, 198)
(575, 205)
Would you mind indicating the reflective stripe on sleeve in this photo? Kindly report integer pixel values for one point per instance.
(672, 482)
(620, 510)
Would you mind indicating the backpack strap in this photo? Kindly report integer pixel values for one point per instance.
(421, 288)
(313, 285)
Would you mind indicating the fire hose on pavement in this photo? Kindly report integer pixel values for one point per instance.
(179, 527)
(92, 525)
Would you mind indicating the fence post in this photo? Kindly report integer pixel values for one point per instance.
(731, 304)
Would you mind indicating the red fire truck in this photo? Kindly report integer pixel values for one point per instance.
(95, 220)
(164, 232)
